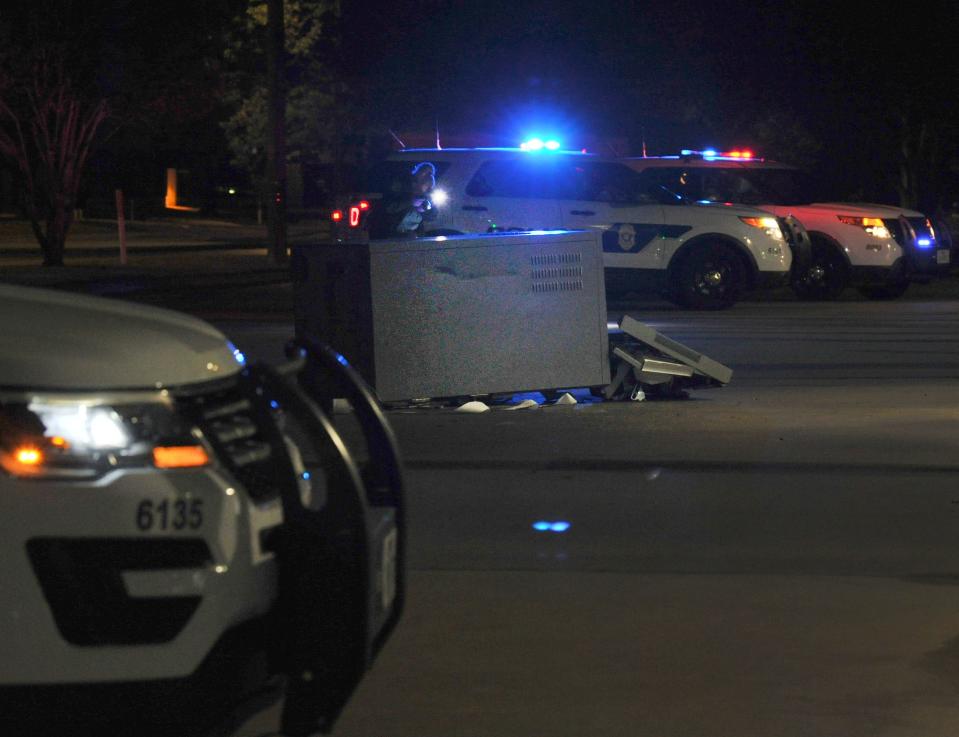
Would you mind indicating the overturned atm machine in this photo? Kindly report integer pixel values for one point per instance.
(477, 315)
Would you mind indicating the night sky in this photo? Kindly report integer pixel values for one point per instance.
(610, 64)
(678, 74)
(848, 92)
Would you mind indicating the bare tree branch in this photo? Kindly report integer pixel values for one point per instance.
(47, 129)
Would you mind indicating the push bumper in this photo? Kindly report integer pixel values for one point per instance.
(908, 268)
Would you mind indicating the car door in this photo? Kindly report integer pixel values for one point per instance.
(607, 196)
(515, 193)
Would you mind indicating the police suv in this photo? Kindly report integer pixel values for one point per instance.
(699, 255)
(181, 532)
(878, 248)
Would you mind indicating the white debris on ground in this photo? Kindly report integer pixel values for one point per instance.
(525, 404)
(473, 407)
(496, 403)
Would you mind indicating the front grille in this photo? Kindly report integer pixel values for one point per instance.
(81, 579)
(798, 241)
(227, 417)
(786, 227)
(797, 238)
(920, 227)
(895, 226)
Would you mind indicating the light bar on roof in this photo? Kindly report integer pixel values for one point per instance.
(735, 155)
(538, 144)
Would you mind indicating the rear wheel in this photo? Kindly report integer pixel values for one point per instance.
(712, 277)
(826, 276)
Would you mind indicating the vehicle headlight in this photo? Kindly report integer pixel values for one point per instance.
(770, 226)
(79, 437)
(874, 226)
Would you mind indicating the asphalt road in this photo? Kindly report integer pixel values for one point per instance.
(777, 557)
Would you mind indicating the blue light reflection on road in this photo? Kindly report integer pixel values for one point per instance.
(546, 526)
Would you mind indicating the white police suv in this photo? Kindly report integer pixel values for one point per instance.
(180, 530)
(699, 255)
(878, 248)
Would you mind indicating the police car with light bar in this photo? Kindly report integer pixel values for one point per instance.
(183, 533)
(878, 248)
(701, 256)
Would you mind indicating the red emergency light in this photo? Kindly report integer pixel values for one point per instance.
(741, 154)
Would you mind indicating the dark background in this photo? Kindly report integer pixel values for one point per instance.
(864, 96)
(819, 83)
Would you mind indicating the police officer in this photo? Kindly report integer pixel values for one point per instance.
(410, 213)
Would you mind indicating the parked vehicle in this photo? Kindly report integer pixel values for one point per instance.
(701, 256)
(879, 249)
(179, 527)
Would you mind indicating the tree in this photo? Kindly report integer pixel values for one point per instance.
(47, 128)
(314, 94)
(779, 134)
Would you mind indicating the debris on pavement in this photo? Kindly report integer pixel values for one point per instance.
(474, 407)
(525, 404)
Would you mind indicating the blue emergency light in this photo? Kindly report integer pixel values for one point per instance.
(547, 526)
(538, 144)
(711, 153)
(237, 354)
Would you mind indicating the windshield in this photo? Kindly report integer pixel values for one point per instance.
(743, 186)
(772, 186)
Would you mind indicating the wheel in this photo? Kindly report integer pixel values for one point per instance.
(826, 276)
(712, 277)
(893, 290)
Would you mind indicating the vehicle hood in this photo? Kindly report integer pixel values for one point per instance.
(745, 211)
(63, 341)
(862, 209)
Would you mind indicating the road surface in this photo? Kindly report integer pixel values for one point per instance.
(777, 557)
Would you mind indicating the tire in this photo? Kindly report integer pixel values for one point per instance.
(826, 276)
(711, 277)
(885, 292)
